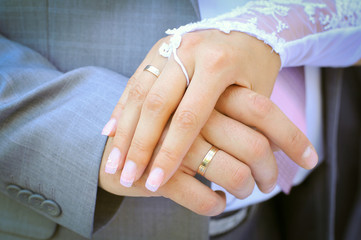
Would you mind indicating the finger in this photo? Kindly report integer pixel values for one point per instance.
(260, 112)
(158, 106)
(245, 144)
(183, 189)
(194, 195)
(224, 169)
(190, 116)
(128, 120)
(110, 127)
(110, 182)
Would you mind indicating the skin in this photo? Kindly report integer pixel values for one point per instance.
(163, 124)
(226, 170)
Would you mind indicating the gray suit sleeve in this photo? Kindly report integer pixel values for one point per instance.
(50, 125)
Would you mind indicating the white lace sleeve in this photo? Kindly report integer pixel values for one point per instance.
(314, 32)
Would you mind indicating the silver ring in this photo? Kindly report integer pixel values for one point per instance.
(153, 70)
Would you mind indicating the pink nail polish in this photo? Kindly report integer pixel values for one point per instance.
(155, 179)
(109, 127)
(113, 161)
(310, 157)
(128, 173)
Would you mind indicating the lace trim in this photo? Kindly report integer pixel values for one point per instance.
(347, 14)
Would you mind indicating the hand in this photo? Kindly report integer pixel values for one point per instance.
(214, 61)
(225, 169)
(183, 187)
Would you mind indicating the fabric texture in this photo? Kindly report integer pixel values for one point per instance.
(45, 118)
(32, 225)
(302, 32)
(51, 121)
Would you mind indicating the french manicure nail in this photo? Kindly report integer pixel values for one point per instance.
(128, 173)
(310, 157)
(155, 179)
(113, 161)
(109, 127)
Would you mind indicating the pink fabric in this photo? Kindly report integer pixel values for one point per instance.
(289, 96)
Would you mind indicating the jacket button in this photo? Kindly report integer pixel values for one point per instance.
(51, 208)
(36, 200)
(23, 196)
(13, 190)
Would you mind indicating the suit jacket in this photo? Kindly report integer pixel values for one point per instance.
(63, 66)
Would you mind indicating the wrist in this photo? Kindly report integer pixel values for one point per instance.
(262, 63)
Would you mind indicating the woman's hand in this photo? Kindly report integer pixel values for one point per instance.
(214, 61)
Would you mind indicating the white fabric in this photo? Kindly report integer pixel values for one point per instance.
(301, 32)
(330, 25)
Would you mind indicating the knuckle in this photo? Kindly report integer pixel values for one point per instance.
(262, 106)
(140, 146)
(120, 105)
(207, 206)
(238, 179)
(121, 134)
(259, 147)
(137, 92)
(186, 119)
(217, 57)
(169, 155)
(234, 92)
(119, 142)
(154, 102)
(294, 138)
(191, 40)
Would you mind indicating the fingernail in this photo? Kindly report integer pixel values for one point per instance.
(113, 161)
(310, 157)
(109, 127)
(155, 179)
(128, 173)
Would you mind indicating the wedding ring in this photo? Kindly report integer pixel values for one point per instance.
(153, 70)
(206, 160)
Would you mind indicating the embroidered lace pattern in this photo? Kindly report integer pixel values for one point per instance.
(275, 22)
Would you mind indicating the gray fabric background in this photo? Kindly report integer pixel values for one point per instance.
(52, 113)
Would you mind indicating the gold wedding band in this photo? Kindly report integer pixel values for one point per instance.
(206, 160)
(153, 70)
